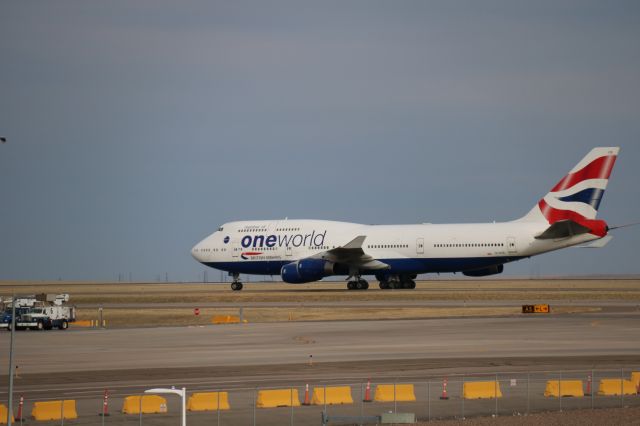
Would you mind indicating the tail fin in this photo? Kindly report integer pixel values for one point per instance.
(578, 195)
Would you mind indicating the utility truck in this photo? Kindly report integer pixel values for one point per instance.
(40, 312)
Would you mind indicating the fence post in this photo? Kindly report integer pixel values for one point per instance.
(140, 412)
(622, 387)
(429, 399)
(560, 390)
(103, 412)
(495, 393)
(62, 412)
(218, 413)
(462, 397)
(528, 400)
(291, 402)
(593, 389)
(325, 400)
(255, 392)
(361, 401)
(395, 403)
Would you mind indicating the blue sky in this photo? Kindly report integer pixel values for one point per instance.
(136, 128)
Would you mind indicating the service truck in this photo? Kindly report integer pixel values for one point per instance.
(41, 312)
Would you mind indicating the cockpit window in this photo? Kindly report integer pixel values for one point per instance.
(220, 229)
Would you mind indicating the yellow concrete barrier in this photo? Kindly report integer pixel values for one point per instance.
(225, 319)
(334, 395)
(150, 404)
(54, 410)
(83, 323)
(402, 393)
(560, 388)
(208, 401)
(635, 378)
(615, 386)
(278, 398)
(478, 390)
(3, 415)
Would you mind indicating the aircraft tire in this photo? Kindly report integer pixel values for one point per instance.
(361, 285)
(236, 286)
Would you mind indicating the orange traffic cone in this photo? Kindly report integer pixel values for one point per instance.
(588, 392)
(306, 395)
(367, 392)
(19, 417)
(105, 404)
(444, 389)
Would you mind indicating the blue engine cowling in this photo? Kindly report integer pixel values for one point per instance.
(306, 271)
(491, 270)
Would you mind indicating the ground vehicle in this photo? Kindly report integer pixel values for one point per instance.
(41, 312)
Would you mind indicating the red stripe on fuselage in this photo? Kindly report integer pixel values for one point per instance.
(600, 168)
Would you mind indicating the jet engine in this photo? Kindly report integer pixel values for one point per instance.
(491, 270)
(306, 270)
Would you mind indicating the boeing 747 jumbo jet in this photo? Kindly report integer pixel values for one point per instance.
(303, 251)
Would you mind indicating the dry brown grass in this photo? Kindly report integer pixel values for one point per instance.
(121, 299)
(469, 290)
(126, 317)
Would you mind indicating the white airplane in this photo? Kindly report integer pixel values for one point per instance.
(303, 251)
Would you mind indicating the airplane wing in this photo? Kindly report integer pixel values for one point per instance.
(351, 254)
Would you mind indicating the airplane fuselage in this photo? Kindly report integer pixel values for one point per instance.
(264, 247)
(302, 251)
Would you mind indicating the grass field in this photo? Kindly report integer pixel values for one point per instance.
(147, 317)
(121, 298)
(464, 290)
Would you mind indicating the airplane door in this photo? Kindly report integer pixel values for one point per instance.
(235, 249)
(511, 245)
(420, 246)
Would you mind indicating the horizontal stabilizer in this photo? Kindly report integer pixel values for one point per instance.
(599, 243)
(563, 229)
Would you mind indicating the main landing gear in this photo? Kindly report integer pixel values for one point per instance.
(358, 284)
(397, 282)
(236, 285)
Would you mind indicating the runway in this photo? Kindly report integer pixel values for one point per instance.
(241, 358)
(592, 334)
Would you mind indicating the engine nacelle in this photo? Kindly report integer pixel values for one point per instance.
(306, 271)
(491, 270)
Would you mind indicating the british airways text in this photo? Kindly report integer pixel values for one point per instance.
(297, 240)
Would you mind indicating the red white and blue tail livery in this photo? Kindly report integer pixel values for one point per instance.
(576, 198)
(302, 251)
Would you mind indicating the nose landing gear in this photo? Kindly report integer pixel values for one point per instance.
(236, 285)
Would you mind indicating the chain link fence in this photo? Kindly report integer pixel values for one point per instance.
(520, 393)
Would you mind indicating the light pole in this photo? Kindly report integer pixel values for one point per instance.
(181, 392)
(13, 330)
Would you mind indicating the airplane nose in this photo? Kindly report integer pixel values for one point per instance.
(195, 252)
